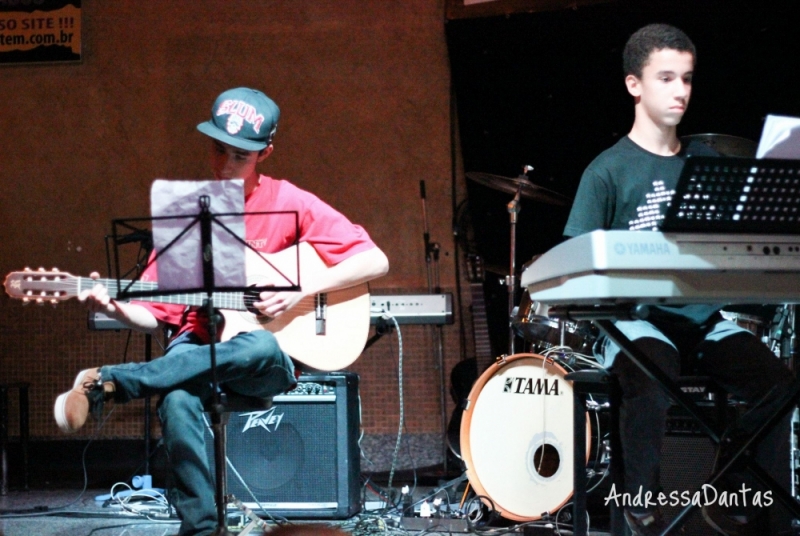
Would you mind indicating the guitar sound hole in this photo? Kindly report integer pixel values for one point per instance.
(250, 297)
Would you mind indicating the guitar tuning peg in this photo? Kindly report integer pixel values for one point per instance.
(41, 269)
(26, 269)
(53, 302)
(54, 269)
(39, 301)
(26, 301)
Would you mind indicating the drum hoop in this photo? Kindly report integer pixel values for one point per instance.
(733, 317)
(466, 426)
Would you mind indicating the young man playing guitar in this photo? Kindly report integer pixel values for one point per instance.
(251, 364)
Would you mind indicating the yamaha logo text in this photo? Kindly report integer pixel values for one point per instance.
(642, 248)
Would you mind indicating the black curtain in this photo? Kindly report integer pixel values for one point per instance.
(546, 90)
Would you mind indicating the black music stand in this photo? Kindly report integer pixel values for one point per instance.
(205, 219)
(714, 195)
(735, 195)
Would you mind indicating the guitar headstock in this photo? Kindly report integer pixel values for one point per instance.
(41, 286)
(475, 269)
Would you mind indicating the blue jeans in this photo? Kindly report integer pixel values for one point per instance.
(250, 364)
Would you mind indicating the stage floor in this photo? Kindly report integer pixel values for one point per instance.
(68, 512)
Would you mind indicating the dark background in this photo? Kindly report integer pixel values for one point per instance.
(547, 90)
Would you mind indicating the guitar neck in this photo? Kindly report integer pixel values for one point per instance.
(480, 325)
(222, 300)
(325, 331)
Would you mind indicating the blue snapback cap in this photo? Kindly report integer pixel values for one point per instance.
(244, 118)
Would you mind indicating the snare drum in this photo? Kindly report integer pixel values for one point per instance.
(530, 321)
(756, 325)
(517, 437)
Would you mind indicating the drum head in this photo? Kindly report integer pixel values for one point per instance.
(517, 437)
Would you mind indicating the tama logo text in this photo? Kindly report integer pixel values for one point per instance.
(531, 386)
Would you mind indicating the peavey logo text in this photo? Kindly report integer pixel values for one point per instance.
(529, 386)
(267, 420)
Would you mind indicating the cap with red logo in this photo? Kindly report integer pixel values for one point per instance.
(244, 118)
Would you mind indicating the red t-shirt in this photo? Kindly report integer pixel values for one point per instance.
(333, 236)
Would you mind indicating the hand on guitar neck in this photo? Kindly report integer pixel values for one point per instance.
(98, 300)
(267, 303)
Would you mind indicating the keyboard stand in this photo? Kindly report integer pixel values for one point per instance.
(602, 317)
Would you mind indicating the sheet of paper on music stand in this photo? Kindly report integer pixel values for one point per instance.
(780, 138)
(181, 266)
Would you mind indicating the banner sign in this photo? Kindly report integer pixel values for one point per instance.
(39, 31)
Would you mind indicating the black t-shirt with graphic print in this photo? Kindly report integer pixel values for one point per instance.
(627, 187)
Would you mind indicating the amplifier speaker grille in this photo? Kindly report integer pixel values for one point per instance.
(300, 458)
(686, 463)
(687, 460)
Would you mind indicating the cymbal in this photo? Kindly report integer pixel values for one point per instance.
(510, 185)
(724, 144)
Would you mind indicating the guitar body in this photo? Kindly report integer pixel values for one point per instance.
(462, 377)
(295, 330)
(342, 332)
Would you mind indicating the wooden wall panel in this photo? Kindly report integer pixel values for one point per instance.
(364, 90)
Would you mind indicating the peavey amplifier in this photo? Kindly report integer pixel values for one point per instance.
(300, 458)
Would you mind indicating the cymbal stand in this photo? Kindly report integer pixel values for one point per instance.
(511, 278)
(432, 266)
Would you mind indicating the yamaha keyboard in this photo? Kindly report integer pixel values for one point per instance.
(610, 267)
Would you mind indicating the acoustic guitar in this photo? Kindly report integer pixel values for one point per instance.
(467, 371)
(326, 331)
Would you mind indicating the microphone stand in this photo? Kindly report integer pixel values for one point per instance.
(144, 238)
(432, 265)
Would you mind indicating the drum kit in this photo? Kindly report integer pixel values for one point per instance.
(523, 400)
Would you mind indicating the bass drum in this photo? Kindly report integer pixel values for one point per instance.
(517, 437)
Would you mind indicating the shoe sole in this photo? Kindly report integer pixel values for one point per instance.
(59, 413)
(59, 409)
(713, 524)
